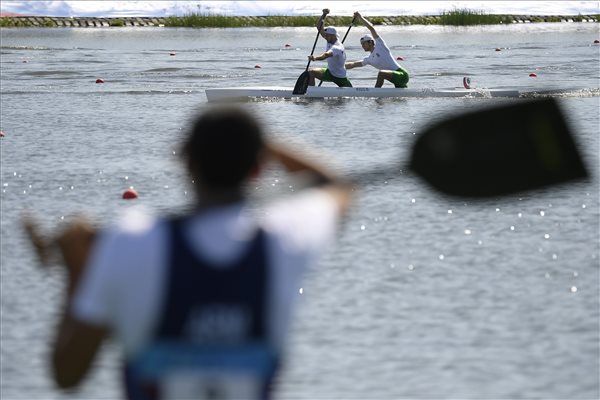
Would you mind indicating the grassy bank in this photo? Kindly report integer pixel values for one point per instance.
(470, 17)
(12, 22)
(222, 21)
(463, 17)
(454, 18)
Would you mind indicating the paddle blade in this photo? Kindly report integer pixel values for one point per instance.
(301, 84)
(498, 151)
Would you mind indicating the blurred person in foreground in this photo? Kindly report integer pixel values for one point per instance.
(201, 302)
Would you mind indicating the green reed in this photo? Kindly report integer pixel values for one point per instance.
(195, 20)
(470, 17)
(7, 22)
(198, 20)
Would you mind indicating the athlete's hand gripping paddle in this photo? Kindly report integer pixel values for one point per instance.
(302, 82)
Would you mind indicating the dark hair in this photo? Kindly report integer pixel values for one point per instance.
(223, 147)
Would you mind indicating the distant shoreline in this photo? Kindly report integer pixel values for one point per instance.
(216, 21)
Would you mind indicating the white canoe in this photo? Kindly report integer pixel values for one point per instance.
(241, 93)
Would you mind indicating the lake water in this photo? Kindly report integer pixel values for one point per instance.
(423, 296)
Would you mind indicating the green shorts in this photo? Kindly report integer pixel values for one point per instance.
(400, 78)
(341, 82)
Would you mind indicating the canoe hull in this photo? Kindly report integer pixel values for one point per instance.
(240, 93)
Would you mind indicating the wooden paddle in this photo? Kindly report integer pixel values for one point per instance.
(494, 152)
(344, 39)
(302, 82)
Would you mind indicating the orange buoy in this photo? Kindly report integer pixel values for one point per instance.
(596, 41)
(498, 49)
(130, 194)
(399, 58)
(287, 45)
(1, 134)
(99, 80)
(172, 54)
(532, 75)
(257, 66)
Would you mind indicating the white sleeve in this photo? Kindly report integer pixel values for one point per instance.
(111, 256)
(366, 61)
(306, 222)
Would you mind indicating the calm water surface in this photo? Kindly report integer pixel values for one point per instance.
(423, 296)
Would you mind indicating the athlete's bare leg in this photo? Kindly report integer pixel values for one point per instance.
(383, 75)
(314, 73)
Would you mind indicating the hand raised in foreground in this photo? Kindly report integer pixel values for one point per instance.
(74, 243)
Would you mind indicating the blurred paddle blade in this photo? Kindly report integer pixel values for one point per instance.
(301, 84)
(498, 151)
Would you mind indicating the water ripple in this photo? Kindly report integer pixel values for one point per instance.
(49, 73)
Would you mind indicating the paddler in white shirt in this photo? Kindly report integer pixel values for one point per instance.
(380, 58)
(335, 54)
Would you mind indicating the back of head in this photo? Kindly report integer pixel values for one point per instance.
(223, 147)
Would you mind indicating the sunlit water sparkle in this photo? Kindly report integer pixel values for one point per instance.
(408, 304)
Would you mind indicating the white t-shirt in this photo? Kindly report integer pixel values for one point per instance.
(336, 63)
(381, 57)
(123, 286)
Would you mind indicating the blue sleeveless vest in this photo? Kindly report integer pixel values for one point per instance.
(213, 326)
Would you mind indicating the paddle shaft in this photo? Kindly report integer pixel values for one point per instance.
(343, 40)
(348, 30)
(320, 25)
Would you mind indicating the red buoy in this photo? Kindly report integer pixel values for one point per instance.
(25, 61)
(399, 58)
(257, 66)
(596, 41)
(532, 75)
(498, 49)
(288, 45)
(99, 80)
(130, 194)
(1, 134)
(172, 54)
